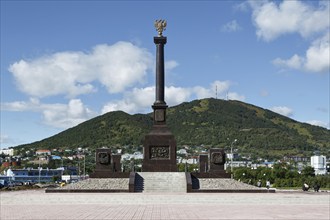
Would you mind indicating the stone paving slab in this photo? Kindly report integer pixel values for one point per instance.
(37, 205)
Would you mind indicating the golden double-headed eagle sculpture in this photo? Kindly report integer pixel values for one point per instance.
(160, 26)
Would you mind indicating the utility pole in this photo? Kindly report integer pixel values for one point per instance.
(216, 92)
(84, 166)
(231, 158)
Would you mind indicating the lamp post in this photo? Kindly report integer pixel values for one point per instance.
(79, 174)
(84, 166)
(40, 168)
(231, 158)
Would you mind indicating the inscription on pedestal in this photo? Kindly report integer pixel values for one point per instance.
(159, 152)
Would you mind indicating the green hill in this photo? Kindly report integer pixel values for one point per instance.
(209, 122)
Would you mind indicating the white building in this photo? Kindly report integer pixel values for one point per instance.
(319, 164)
(43, 152)
(182, 151)
(9, 152)
(188, 161)
(238, 164)
(135, 156)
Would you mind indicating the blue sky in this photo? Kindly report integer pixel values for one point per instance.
(64, 62)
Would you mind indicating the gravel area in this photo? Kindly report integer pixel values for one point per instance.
(224, 184)
(123, 184)
(99, 183)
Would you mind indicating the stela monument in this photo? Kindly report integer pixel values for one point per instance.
(159, 145)
(159, 151)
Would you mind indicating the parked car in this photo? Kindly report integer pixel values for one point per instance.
(28, 183)
(2, 184)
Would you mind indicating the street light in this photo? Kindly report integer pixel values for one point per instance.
(84, 166)
(231, 158)
(40, 168)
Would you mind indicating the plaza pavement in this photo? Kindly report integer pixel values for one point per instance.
(36, 204)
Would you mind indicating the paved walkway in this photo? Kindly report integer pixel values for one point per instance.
(36, 204)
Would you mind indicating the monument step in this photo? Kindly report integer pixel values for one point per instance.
(164, 183)
(160, 182)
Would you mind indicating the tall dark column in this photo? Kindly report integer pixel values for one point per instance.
(160, 104)
(160, 79)
(159, 145)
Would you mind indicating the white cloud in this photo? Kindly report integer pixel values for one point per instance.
(119, 105)
(264, 93)
(272, 20)
(202, 92)
(133, 101)
(322, 109)
(140, 99)
(171, 64)
(243, 6)
(117, 67)
(177, 95)
(318, 123)
(217, 88)
(137, 100)
(54, 115)
(221, 86)
(295, 62)
(231, 26)
(318, 55)
(4, 138)
(235, 96)
(20, 106)
(283, 110)
(66, 116)
(317, 58)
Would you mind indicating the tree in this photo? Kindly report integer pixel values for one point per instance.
(3, 156)
(308, 171)
(280, 170)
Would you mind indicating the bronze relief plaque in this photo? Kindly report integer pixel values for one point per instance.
(217, 158)
(159, 152)
(104, 158)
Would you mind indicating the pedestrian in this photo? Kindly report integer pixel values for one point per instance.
(259, 183)
(305, 187)
(316, 187)
(267, 184)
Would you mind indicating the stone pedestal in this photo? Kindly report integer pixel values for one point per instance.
(103, 160)
(159, 151)
(116, 165)
(107, 165)
(203, 163)
(217, 160)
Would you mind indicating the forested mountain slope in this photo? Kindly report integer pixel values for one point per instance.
(209, 122)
